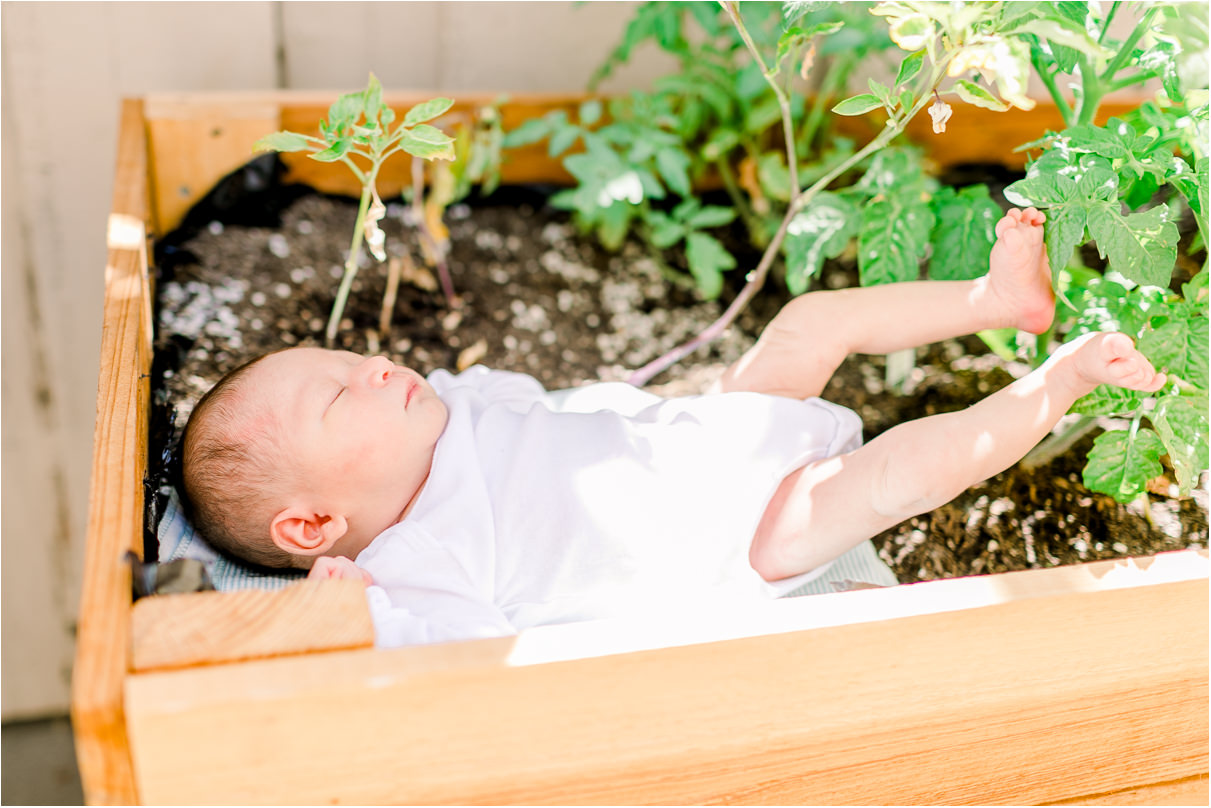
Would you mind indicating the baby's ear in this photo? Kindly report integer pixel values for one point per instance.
(299, 531)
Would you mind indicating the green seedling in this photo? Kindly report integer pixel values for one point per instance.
(359, 126)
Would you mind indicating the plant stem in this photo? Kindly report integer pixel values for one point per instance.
(788, 130)
(1048, 79)
(431, 245)
(394, 267)
(1055, 445)
(342, 292)
(753, 224)
(833, 79)
(756, 278)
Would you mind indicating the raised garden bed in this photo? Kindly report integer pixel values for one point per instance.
(1025, 687)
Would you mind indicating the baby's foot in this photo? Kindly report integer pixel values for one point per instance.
(1019, 274)
(1111, 358)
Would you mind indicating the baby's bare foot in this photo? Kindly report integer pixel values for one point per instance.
(1111, 358)
(1019, 274)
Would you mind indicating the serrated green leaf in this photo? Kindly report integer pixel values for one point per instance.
(1182, 426)
(281, 142)
(858, 105)
(708, 260)
(663, 230)
(562, 139)
(1141, 246)
(334, 152)
(427, 111)
(710, 216)
(976, 95)
(372, 100)
(1121, 464)
(428, 143)
(892, 239)
(345, 110)
(674, 168)
(963, 234)
(820, 231)
(1063, 233)
(1108, 400)
(773, 176)
(532, 131)
(910, 67)
(1040, 190)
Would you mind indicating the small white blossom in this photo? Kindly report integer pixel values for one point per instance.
(940, 112)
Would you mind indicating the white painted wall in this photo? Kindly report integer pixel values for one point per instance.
(65, 67)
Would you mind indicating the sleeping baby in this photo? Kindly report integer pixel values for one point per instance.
(478, 504)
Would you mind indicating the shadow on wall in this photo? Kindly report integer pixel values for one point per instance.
(39, 764)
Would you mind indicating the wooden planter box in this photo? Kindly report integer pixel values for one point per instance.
(1085, 683)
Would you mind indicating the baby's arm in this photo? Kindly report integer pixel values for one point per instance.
(338, 567)
(832, 505)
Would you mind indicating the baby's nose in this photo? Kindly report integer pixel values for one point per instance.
(376, 370)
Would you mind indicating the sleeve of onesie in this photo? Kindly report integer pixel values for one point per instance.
(421, 594)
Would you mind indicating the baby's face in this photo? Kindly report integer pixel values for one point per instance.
(361, 430)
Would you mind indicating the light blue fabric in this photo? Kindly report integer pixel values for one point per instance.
(860, 565)
(178, 539)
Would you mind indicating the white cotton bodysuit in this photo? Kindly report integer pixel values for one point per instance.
(603, 501)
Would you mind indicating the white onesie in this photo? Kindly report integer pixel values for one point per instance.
(597, 502)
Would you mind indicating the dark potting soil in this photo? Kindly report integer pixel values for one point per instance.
(537, 297)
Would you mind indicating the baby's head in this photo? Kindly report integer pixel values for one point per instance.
(307, 452)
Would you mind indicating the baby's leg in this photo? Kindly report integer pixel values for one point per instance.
(806, 342)
(829, 506)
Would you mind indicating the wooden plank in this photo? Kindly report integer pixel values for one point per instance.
(1027, 701)
(197, 141)
(523, 165)
(1188, 791)
(115, 518)
(198, 138)
(171, 631)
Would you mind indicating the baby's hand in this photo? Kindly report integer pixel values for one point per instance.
(338, 567)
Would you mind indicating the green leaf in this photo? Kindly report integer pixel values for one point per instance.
(562, 139)
(1179, 346)
(428, 142)
(710, 216)
(910, 67)
(1121, 464)
(1063, 233)
(892, 239)
(858, 105)
(613, 223)
(372, 99)
(976, 95)
(773, 176)
(963, 235)
(345, 110)
(334, 152)
(663, 231)
(281, 142)
(427, 110)
(1107, 399)
(820, 231)
(1182, 426)
(1141, 246)
(674, 168)
(590, 112)
(708, 260)
(532, 131)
